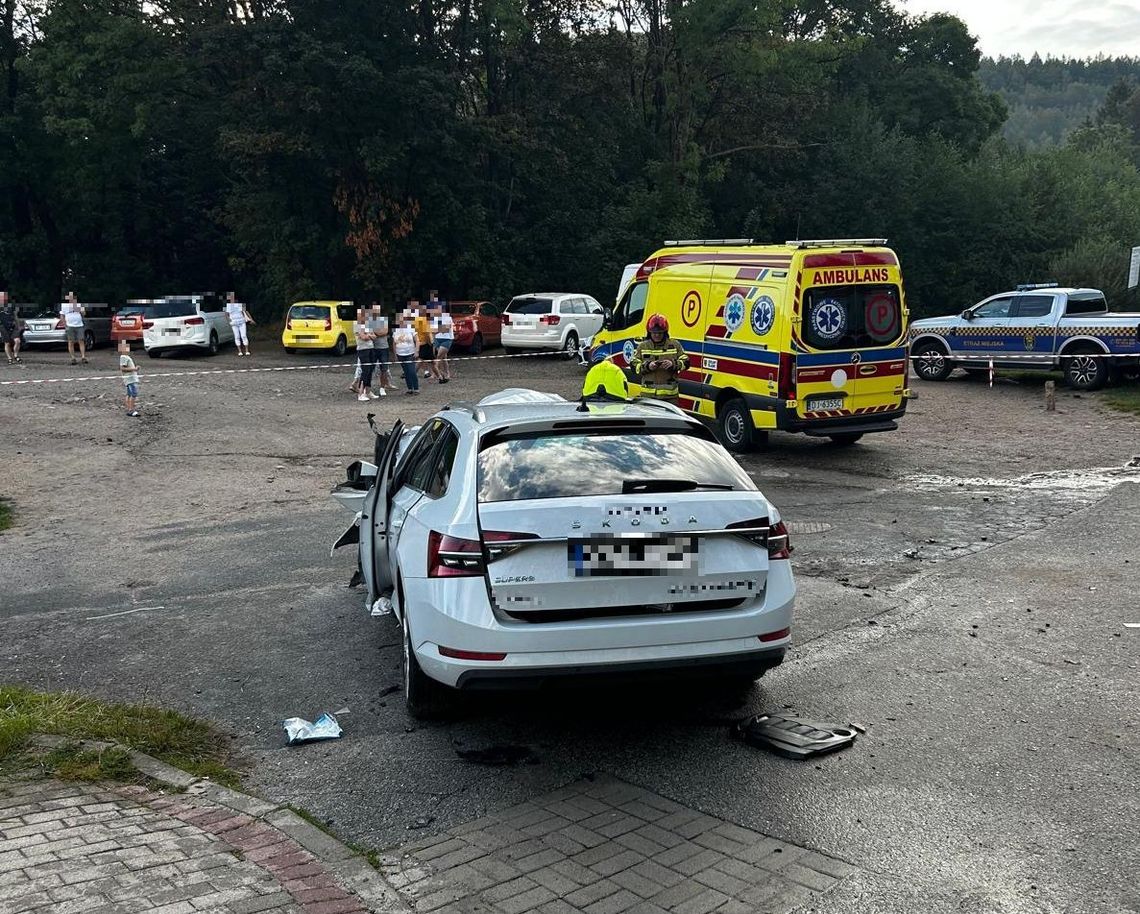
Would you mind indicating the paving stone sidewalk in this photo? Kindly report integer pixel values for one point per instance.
(607, 847)
(97, 849)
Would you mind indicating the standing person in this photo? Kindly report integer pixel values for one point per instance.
(130, 373)
(239, 318)
(364, 348)
(422, 324)
(444, 336)
(10, 329)
(658, 360)
(378, 324)
(72, 313)
(404, 345)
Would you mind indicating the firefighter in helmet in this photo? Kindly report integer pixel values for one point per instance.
(658, 360)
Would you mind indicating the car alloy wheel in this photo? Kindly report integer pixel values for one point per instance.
(88, 339)
(931, 364)
(571, 346)
(1086, 371)
(213, 348)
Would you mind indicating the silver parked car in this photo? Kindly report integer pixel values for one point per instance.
(44, 326)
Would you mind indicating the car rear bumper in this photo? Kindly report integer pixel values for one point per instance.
(518, 340)
(44, 337)
(456, 613)
(313, 340)
(133, 335)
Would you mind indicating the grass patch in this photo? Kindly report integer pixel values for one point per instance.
(5, 514)
(1125, 398)
(187, 743)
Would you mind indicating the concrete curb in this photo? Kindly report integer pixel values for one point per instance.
(350, 868)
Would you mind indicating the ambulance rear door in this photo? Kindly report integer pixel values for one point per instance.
(851, 332)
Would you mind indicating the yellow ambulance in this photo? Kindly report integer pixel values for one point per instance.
(807, 336)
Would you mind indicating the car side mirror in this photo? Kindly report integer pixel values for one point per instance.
(967, 315)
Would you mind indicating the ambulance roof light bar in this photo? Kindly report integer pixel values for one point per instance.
(707, 242)
(1030, 286)
(838, 242)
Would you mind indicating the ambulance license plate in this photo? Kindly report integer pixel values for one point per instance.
(605, 556)
(825, 403)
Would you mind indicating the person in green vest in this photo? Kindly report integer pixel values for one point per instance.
(658, 360)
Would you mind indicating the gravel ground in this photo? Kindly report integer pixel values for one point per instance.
(962, 587)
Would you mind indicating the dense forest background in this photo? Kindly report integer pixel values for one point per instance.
(377, 148)
(1049, 98)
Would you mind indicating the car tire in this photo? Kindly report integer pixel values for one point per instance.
(1085, 370)
(476, 346)
(846, 439)
(570, 347)
(212, 348)
(931, 361)
(424, 698)
(88, 339)
(341, 346)
(734, 426)
(154, 353)
(289, 350)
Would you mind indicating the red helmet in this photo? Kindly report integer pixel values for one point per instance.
(657, 322)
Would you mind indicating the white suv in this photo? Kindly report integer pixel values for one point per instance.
(551, 320)
(527, 537)
(182, 321)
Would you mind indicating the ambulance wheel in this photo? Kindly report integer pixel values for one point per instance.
(1085, 370)
(734, 426)
(846, 439)
(931, 362)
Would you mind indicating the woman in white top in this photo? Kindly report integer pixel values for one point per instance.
(239, 318)
(444, 328)
(404, 342)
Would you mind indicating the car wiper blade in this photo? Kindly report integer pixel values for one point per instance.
(670, 485)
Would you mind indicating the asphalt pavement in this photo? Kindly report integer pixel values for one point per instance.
(963, 588)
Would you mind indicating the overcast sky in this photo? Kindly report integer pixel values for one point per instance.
(1063, 28)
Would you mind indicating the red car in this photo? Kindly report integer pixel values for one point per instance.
(477, 324)
(127, 324)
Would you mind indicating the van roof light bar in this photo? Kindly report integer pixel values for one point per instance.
(837, 242)
(1030, 286)
(708, 242)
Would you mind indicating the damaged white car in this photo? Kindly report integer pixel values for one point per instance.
(525, 538)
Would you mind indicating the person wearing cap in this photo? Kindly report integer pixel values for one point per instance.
(658, 360)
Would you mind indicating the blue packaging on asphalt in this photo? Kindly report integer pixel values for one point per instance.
(298, 730)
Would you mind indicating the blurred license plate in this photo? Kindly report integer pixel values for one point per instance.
(827, 403)
(306, 339)
(126, 322)
(173, 331)
(602, 556)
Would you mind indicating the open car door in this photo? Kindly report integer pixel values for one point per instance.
(374, 564)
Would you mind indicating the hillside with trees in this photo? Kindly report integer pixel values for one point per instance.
(1048, 99)
(352, 148)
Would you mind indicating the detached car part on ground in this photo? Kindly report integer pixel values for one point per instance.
(533, 538)
(1038, 326)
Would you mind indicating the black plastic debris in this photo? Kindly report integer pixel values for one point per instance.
(791, 736)
(500, 755)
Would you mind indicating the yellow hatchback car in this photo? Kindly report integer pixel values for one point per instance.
(320, 325)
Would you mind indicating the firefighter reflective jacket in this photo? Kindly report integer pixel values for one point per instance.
(659, 381)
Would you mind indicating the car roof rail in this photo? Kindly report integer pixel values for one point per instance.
(706, 242)
(473, 409)
(836, 242)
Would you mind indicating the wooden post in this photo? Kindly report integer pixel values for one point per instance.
(1050, 396)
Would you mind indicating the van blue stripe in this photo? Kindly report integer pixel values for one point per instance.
(743, 353)
(803, 360)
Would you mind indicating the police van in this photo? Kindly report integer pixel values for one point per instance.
(807, 336)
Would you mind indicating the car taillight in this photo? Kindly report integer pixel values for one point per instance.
(550, 319)
(328, 323)
(452, 557)
(60, 325)
(787, 380)
(773, 537)
(779, 545)
(147, 325)
(289, 324)
(195, 321)
(469, 655)
(501, 543)
(506, 318)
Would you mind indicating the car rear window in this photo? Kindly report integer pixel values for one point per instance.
(851, 317)
(309, 312)
(460, 307)
(582, 464)
(1081, 305)
(530, 305)
(134, 309)
(173, 307)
